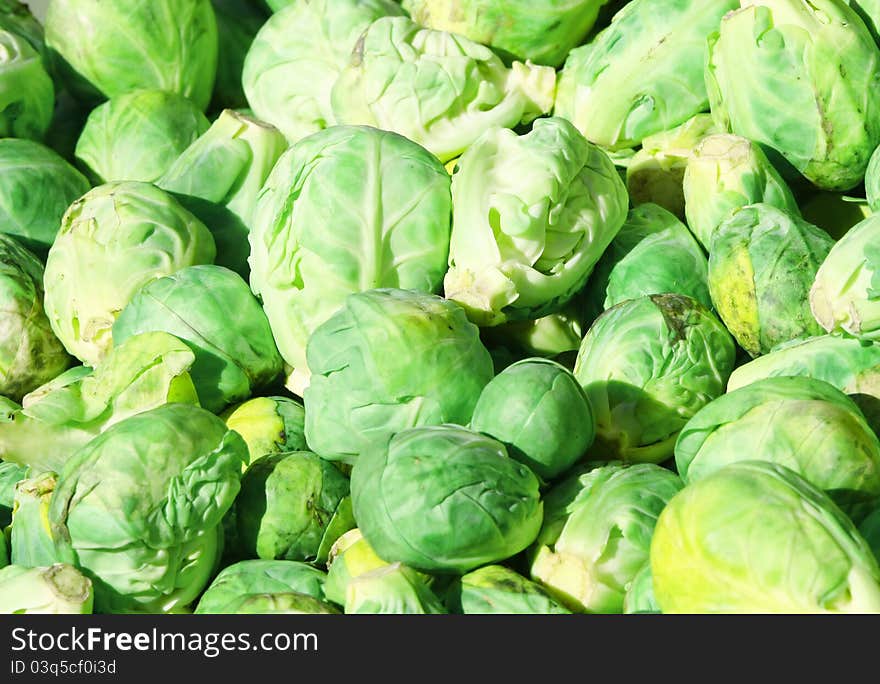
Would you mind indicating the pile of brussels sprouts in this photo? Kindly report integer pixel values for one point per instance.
(440, 306)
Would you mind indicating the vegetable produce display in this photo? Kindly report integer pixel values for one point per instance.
(439, 306)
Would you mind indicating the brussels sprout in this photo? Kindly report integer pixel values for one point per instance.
(58, 589)
(835, 213)
(844, 362)
(137, 135)
(388, 201)
(30, 537)
(386, 361)
(287, 603)
(395, 589)
(754, 537)
(139, 507)
(412, 493)
(213, 310)
(647, 365)
(297, 56)
(238, 22)
(290, 507)
(108, 49)
(439, 89)
(147, 371)
(641, 75)
(113, 240)
(542, 31)
(639, 596)
(851, 366)
(803, 424)
(10, 475)
(843, 296)
(269, 425)
(30, 354)
(254, 577)
(524, 243)
(539, 411)
(762, 263)
(27, 95)
(726, 173)
(228, 164)
(653, 253)
(495, 589)
(656, 172)
(36, 187)
(350, 557)
(597, 532)
(218, 178)
(799, 78)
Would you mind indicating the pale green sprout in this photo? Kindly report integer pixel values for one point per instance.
(139, 508)
(55, 420)
(726, 173)
(539, 411)
(137, 135)
(219, 178)
(389, 204)
(297, 56)
(755, 537)
(844, 362)
(108, 49)
(641, 75)
(439, 89)
(350, 557)
(523, 244)
(653, 253)
(765, 420)
(281, 603)
(647, 366)
(542, 31)
(762, 263)
(213, 310)
(239, 581)
(408, 493)
(389, 360)
(798, 77)
(30, 537)
(112, 241)
(597, 533)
